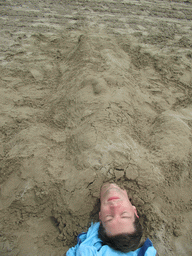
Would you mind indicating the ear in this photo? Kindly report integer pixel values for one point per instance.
(135, 211)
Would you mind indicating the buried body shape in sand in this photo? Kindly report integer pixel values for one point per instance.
(82, 107)
(118, 232)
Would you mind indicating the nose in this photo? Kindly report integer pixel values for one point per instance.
(114, 207)
(114, 203)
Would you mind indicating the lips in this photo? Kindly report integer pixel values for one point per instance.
(113, 198)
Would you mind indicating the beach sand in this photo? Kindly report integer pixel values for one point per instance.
(94, 91)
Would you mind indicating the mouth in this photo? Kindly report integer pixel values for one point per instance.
(113, 198)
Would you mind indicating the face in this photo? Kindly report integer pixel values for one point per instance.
(117, 214)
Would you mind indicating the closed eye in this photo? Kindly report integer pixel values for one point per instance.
(125, 215)
(108, 219)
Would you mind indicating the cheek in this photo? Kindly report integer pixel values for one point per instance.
(125, 193)
(104, 211)
(101, 216)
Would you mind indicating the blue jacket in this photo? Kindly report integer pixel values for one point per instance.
(89, 244)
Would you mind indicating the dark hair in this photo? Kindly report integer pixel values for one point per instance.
(123, 242)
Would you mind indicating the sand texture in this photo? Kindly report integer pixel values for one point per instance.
(94, 91)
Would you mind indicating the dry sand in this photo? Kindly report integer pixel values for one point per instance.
(94, 91)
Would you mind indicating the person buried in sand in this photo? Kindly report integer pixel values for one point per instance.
(119, 231)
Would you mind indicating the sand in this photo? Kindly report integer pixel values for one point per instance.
(94, 91)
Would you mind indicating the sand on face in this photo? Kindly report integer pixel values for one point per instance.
(93, 92)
